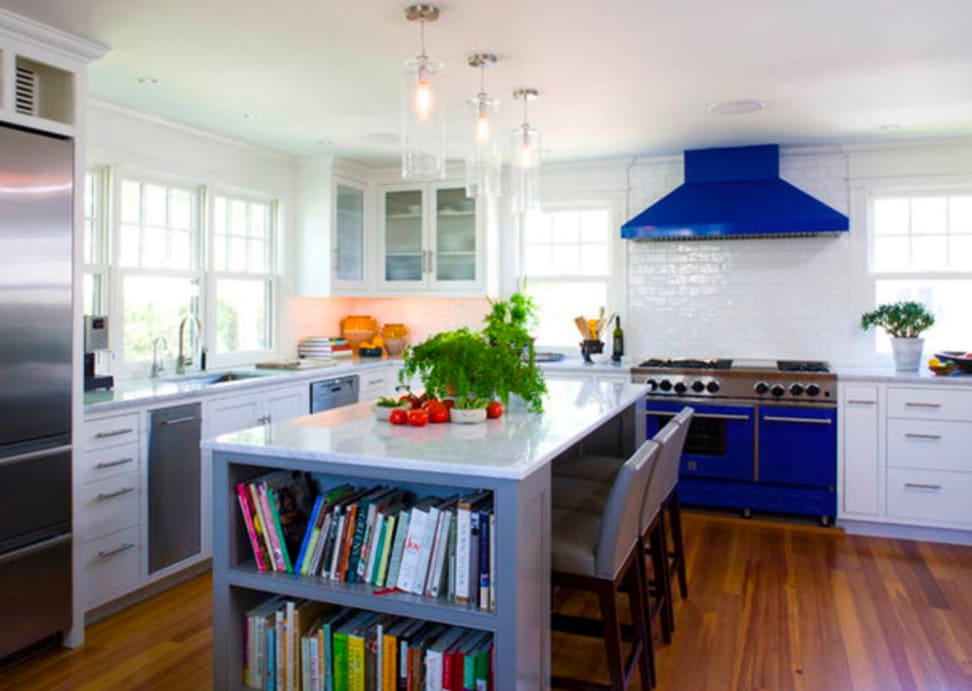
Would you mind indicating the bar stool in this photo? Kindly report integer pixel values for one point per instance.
(599, 552)
(671, 460)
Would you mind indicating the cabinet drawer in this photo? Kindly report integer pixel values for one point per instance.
(929, 404)
(110, 431)
(110, 462)
(109, 567)
(108, 506)
(930, 444)
(930, 495)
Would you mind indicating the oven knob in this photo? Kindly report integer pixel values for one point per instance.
(712, 386)
(665, 385)
(698, 387)
(813, 390)
(680, 387)
(777, 390)
(796, 389)
(652, 384)
(761, 387)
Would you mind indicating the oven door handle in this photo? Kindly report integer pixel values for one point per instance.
(799, 420)
(707, 416)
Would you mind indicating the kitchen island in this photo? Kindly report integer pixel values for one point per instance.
(511, 457)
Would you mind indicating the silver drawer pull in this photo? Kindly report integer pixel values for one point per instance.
(112, 464)
(375, 382)
(919, 485)
(105, 496)
(799, 420)
(123, 547)
(113, 433)
(860, 402)
(707, 416)
(914, 404)
(916, 435)
(179, 420)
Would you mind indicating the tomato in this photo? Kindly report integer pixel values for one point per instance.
(431, 405)
(412, 400)
(439, 414)
(494, 410)
(449, 403)
(399, 416)
(418, 418)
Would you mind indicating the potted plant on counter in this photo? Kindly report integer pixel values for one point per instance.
(474, 368)
(904, 322)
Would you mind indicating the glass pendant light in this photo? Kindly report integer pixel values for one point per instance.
(525, 162)
(484, 158)
(423, 109)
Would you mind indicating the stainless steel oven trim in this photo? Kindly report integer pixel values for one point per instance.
(709, 416)
(10, 460)
(34, 548)
(798, 420)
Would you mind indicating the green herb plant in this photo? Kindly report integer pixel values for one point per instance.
(476, 367)
(900, 319)
(386, 402)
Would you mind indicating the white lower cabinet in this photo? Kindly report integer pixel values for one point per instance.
(110, 566)
(223, 415)
(381, 381)
(107, 505)
(906, 454)
(287, 403)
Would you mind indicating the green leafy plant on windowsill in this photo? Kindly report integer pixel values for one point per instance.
(496, 362)
(900, 319)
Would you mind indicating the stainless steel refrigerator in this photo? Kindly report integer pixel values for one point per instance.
(36, 199)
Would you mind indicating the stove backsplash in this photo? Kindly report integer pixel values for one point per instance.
(763, 298)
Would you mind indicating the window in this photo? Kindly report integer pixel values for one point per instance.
(95, 279)
(568, 269)
(242, 250)
(921, 249)
(158, 264)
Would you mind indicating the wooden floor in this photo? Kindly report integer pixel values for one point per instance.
(771, 606)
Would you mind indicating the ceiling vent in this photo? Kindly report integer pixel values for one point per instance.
(26, 96)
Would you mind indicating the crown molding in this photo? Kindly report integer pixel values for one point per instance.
(44, 36)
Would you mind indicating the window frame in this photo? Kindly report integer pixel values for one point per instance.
(617, 259)
(101, 225)
(210, 327)
(864, 193)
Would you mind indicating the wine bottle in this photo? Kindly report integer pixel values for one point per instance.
(617, 352)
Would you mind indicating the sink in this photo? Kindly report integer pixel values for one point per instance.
(224, 378)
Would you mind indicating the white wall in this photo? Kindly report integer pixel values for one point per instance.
(788, 298)
(130, 140)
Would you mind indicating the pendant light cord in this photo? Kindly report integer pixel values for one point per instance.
(422, 55)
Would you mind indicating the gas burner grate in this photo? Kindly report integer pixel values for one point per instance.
(687, 364)
(802, 366)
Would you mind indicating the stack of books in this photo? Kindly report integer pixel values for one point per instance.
(323, 348)
(381, 536)
(293, 645)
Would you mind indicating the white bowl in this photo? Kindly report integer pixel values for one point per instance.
(382, 412)
(468, 417)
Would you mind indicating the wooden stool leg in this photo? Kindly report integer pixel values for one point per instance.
(663, 585)
(637, 599)
(675, 512)
(662, 533)
(612, 634)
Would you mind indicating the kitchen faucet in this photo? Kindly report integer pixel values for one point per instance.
(184, 360)
(157, 366)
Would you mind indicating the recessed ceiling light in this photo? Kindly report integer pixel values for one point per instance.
(250, 116)
(148, 81)
(741, 107)
(380, 138)
(888, 126)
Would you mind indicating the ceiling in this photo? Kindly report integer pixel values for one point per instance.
(616, 77)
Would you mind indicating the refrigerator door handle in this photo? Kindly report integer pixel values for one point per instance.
(34, 548)
(21, 458)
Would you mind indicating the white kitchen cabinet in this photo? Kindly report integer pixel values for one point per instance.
(350, 240)
(287, 403)
(224, 415)
(378, 382)
(109, 567)
(431, 241)
(859, 418)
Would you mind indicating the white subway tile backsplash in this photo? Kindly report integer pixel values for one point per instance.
(756, 298)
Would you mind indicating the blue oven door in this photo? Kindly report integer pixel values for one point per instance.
(798, 446)
(720, 442)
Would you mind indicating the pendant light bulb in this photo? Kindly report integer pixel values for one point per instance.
(484, 159)
(525, 168)
(423, 112)
(482, 125)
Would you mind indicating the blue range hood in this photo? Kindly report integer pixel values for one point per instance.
(734, 192)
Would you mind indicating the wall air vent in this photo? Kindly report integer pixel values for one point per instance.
(26, 96)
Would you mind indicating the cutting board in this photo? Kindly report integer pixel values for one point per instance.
(295, 364)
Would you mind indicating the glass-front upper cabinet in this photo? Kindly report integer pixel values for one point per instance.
(405, 258)
(349, 267)
(455, 254)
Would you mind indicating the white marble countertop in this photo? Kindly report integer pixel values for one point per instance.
(511, 447)
(888, 375)
(151, 391)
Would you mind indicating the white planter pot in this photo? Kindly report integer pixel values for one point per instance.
(907, 353)
(468, 417)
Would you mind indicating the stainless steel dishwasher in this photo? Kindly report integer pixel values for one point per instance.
(333, 393)
(174, 485)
